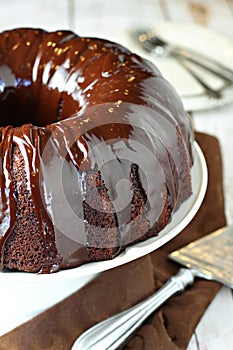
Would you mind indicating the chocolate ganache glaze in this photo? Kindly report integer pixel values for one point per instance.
(95, 149)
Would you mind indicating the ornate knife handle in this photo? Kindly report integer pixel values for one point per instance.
(116, 330)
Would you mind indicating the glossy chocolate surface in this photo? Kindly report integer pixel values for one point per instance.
(74, 106)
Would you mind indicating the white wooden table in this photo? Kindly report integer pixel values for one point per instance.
(106, 18)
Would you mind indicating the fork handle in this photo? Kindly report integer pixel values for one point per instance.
(208, 63)
(116, 330)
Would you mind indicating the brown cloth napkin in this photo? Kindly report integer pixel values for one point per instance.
(172, 325)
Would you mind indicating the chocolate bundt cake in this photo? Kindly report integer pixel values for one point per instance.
(96, 150)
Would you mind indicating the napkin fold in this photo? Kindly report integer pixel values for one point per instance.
(170, 327)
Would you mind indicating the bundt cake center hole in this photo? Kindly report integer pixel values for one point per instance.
(39, 106)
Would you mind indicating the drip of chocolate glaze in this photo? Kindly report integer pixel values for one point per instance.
(88, 106)
(30, 140)
(7, 200)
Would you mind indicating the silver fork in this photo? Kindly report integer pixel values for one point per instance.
(157, 46)
(211, 92)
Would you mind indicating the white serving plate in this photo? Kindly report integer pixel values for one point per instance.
(24, 295)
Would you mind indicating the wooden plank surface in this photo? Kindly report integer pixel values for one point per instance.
(49, 14)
